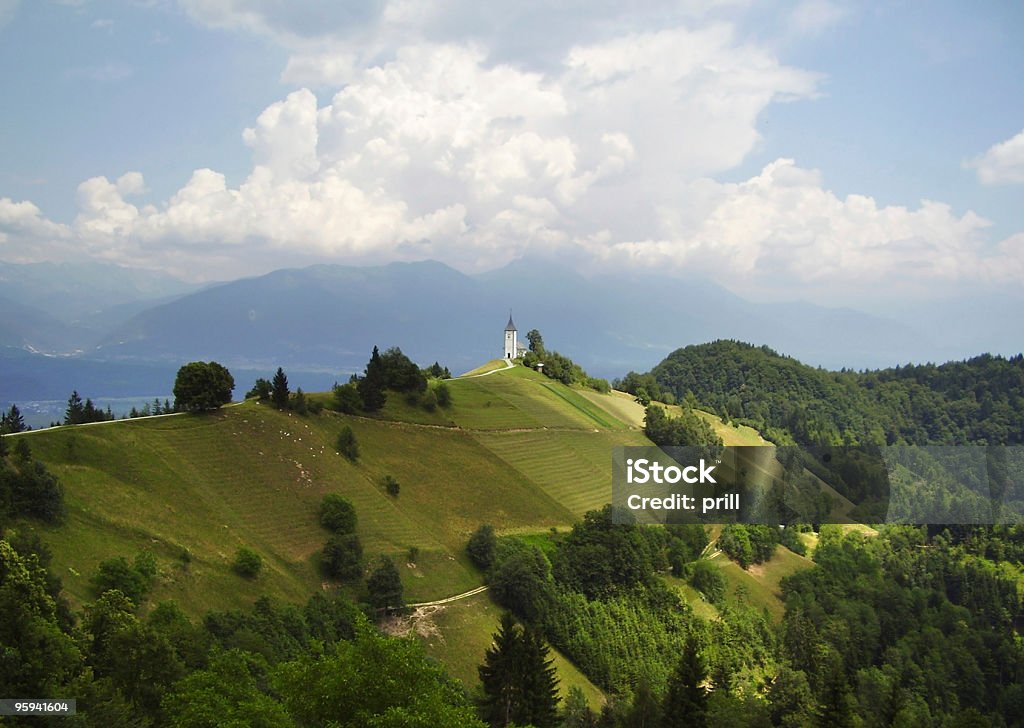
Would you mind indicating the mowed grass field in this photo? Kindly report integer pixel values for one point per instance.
(515, 450)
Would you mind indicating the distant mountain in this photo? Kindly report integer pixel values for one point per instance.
(28, 328)
(330, 316)
(61, 308)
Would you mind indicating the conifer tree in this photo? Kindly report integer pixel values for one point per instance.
(518, 676)
(12, 421)
(686, 704)
(279, 389)
(499, 674)
(75, 412)
(539, 683)
(371, 386)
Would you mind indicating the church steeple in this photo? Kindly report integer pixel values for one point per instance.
(511, 339)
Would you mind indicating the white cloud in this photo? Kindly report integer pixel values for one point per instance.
(783, 228)
(1002, 164)
(439, 150)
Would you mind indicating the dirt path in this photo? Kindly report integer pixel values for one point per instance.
(448, 600)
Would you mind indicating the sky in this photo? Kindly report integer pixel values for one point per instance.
(837, 152)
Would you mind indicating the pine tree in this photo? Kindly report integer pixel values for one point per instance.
(519, 680)
(75, 412)
(371, 386)
(13, 421)
(539, 683)
(499, 673)
(686, 704)
(279, 389)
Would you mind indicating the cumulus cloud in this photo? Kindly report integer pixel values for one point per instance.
(783, 227)
(1002, 164)
(456, 151)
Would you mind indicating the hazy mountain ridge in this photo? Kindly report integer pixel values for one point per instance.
(325, 319)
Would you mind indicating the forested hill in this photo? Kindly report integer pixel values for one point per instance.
(980, 400)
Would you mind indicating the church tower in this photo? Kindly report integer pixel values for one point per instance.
(511, 339)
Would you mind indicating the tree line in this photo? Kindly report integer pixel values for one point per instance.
(980, 400)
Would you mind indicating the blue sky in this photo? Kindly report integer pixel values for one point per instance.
(811, 149)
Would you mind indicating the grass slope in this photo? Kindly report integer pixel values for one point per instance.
(516, 450)
(459, 633)
(759, 585)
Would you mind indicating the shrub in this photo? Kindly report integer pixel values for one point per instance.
(481, 546)
(391, 485)
(337, 514)
(247, 563)
(347, 444)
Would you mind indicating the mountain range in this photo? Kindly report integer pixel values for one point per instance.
(323, 320)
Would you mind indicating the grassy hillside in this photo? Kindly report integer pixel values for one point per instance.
(515, 449)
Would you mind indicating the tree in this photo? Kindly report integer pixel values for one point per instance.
(539, 682)
(347, 444)
(371, 386)
(372, 681)
(391, 486)
(687, 701)
(279, 389)
(385, 586)
(262, 390)
(12, 421)
(347, 399)
(202, 386)
(247, 563)
(75, 412)
(518, 678)
(38, 658)
(337, 514)
(482, 545)
(226, 693)
(498, 674)
(536, 341)
(342, 557)
(117, 574)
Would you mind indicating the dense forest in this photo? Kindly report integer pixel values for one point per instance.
(978, 401)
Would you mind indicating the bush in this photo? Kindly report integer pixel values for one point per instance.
(247, 563)
(337, 514)
(391, 485)
(342, 557)
(347, 399)
(347, 444)
(481, 546)
(444, 395)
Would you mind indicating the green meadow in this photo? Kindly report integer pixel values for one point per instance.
(515, 449)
